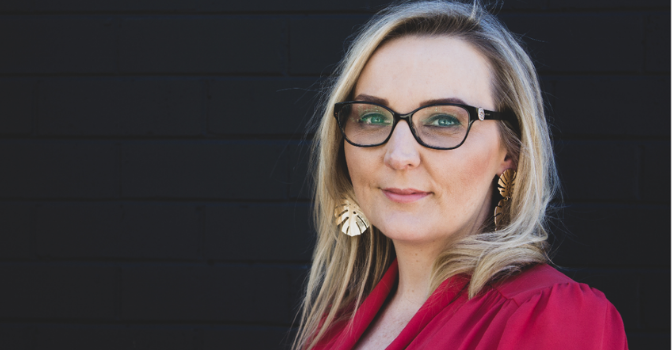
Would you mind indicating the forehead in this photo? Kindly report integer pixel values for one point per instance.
(412, 69)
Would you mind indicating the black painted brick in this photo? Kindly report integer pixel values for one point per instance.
(17, 107)
(115, 337)
(58, 45)
(621, 287)
(257, 232)
(16, 238)
(377, 5)
(78, 230)
(204, 170)
(317, 44)
(246, 338)
(260, 106)
(648, 341)
(177, 6)
(76, 6)
(162, 231)
(658, 43)
(655, 183)
(104, 107)
(284, 6)
(58, 291)
(212, 293)
(607, 4)
(79, 339)
(656, 299)
(17, 337)
(59, 169)
(599, 235)
(300, 183)
(17, 5)
(298, 283)
(586, 43)
(115, 6)
(199, 45)
(612, 106)
(599, 170)
(130, 231)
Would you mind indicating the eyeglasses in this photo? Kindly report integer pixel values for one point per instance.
(438, 126)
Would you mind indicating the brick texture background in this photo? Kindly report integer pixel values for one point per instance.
(152, 191)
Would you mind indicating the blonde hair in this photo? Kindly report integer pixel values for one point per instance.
(345, 269)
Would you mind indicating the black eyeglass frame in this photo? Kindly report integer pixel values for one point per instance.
(475, 114)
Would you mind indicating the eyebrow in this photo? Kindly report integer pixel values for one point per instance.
(384, 102)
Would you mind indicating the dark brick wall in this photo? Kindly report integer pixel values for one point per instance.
(152, 188)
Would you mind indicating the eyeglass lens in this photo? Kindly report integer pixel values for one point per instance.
(437, 126)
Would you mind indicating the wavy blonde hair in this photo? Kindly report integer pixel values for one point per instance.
(345, 269)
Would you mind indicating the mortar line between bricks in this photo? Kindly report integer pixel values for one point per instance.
(291, 138)
(205, 116)
(33, 230)
(642, 26)
(639, 172)
(36, 108)
(139, 323)
(278, 265)
(160, 202)
(201, 222)
(120, 167)
(558, 138)
(146, 324)
(288, 48)
(638, 305)
(117, 41)
(285, 201)
(256, 77)
(643, 268)
(323, 13)
(649, 332)
(118, 296)
(275, 75)
(129, 263)
(261, 139)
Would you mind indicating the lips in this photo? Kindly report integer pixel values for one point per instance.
(405, 195)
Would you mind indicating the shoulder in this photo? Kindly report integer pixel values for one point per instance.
(553, 311)
(543, 279)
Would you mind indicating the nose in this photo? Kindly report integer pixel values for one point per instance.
(402, 149)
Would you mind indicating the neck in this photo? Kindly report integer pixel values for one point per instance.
(415, 260)
(415, 267)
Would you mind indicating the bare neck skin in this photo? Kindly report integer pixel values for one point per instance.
(415, 267)
(415, 262)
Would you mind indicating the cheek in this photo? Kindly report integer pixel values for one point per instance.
(466, 177)
(359, 165)
(479, 166)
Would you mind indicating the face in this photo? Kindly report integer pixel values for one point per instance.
(412, 193)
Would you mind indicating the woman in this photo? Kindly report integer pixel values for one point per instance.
(435, 122)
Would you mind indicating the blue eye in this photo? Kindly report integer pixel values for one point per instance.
(375, 119)
(442, 120)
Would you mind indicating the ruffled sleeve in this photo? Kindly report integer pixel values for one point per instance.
(564, 316)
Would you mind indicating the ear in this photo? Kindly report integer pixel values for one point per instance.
(508, 162)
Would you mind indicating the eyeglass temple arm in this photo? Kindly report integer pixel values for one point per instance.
(506, 116)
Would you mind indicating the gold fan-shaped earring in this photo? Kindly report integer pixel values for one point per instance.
(505, 186)
(350, 217)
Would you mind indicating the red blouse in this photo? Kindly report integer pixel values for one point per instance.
(538, 309)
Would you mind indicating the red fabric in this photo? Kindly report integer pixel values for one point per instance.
(538, 309)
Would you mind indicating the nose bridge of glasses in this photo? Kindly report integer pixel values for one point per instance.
(407, 118)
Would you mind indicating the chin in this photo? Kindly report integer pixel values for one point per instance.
(413, 228)
(410, 232)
